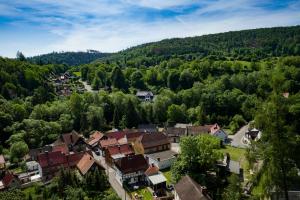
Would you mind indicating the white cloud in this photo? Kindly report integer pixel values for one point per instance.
(161, 4)
(109, 27)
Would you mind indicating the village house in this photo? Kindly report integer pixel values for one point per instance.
(73, 140)
(9, 180)
(106, 143)
(94, 140)
(188, 189)
(131, 169)
(156, 180)
(33, 174)
(2, 162)
(88, 163)
(174, 134)
(116, 152)
(213, 129)
(33, 153)
(131, 137)
(145, 95)
(162, 159)
(151, 143)
(51, 162)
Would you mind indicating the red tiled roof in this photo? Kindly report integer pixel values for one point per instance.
(149, 140)
(117, 134)
(55, 158)
(108, 142)
(2, 160)
(133, 163)
(61, 147)
(152, 169)
(120, 149)
(95, 137)
(85, 163)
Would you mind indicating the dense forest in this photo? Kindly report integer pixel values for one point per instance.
(228, 78)
(248, 45)
(67, 58)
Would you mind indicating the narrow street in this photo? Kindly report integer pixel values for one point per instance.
(112, 180)
(236, 139)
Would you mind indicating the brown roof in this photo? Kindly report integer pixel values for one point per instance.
(149, 140)
(95, 138)
(133, 163)
(120, 149)
(2, 160)
(196, 130)
(61, 147)
(188, 189)
(86, 162)
(56, 158)
(108, 142)
(173, 131)
(116, 134)
(68, 138)
(152, 169)
(71, 138)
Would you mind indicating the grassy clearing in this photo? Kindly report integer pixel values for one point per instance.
(77, 74)
(144, 192)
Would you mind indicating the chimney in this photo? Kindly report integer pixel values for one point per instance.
(158, 159)
(204, 190)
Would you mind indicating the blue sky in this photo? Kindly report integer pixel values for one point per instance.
(42, 26)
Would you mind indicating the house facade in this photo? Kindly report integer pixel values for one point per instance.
(152, 142)
(131, 169)
(145, 95)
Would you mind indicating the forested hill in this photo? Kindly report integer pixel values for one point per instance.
(68, 58)
(246, 45)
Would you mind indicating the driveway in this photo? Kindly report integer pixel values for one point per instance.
(112, 180)
(236, 139)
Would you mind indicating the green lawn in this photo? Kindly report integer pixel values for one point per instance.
(143, 192)
(168, 175)
(237, 154)
(77, 74)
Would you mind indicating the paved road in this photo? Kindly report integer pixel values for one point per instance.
(112, 180)
(236, 139)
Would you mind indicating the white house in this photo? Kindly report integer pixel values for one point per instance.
(163, 159)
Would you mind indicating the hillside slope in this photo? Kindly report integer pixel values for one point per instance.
(68, 58)
(235, 45)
